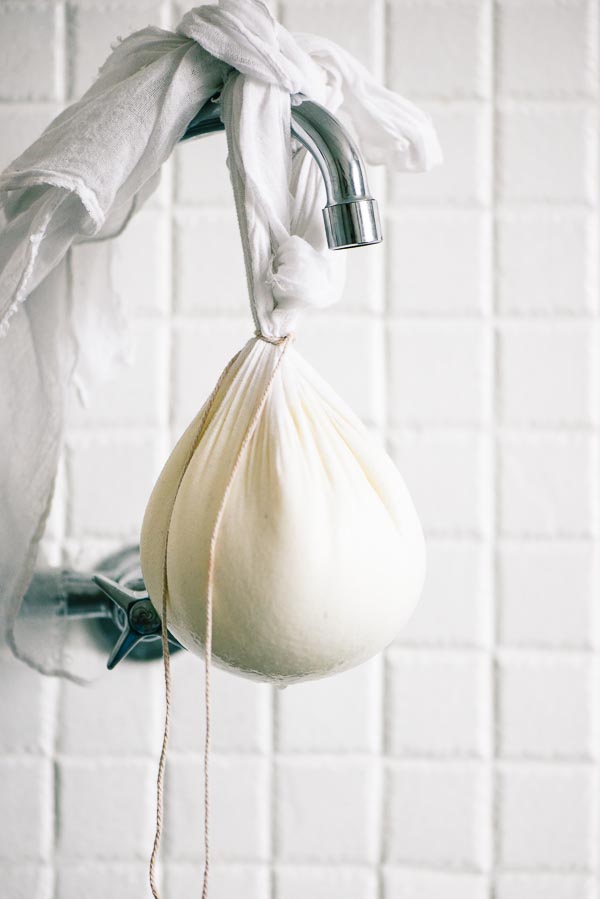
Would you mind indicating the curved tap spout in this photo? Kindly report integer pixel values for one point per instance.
(351, 216)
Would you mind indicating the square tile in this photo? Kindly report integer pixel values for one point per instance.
(28, 881)
(28, 75)
(119, 880)
(333, 347)
(325, 882)
(437, 703)
(531, 33)
(437, 374)
(464, 131)
(437, 816)
(337, 714)
(93, 29)
(546, 374)
(546, 152)
(208, 264)
(326, 811)
(26, 707)
(455, 607)
(133, 266)
(101, 719)
(547, 594)
(546, 262)
(140, 263)
(400, 883)
(21, 125)
(137, 393)
(439, 50)
(105, 809)
(27, 810)
(129, 466)
(241, 719)
(200, 352)
(546, 706)
(547, 485)
(240, 809)
(544, 886)
(446, 476)
(438, 262)
(546, 818)
(249, 881)
(353, 24)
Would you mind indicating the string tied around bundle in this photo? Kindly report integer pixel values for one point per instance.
(274, 341)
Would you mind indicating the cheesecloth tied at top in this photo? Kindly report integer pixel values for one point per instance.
(319, 555)
(93, 167)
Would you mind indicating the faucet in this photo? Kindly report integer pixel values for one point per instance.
(351, 215)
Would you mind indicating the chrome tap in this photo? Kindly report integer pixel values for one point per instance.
(351, 215)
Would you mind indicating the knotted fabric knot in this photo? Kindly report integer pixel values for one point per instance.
(246, 36)
(300, 276)
(270, 69)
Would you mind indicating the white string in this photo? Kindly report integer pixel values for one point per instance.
(284, 342)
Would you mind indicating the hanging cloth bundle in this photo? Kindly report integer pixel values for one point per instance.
(89, 172)
(279, 538)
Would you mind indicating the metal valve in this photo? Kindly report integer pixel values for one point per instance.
(124, 594)
(115, 596)
(134, 614)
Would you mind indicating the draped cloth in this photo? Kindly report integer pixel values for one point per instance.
(94, 166)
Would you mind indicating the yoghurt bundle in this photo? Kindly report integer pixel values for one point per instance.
(318, 553)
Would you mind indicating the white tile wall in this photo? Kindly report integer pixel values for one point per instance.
(464, 764)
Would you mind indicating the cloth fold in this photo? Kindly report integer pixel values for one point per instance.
(97, 162)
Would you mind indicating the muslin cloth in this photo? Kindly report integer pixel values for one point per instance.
(94, 166)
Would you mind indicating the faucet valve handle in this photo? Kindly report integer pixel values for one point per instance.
(134, 614)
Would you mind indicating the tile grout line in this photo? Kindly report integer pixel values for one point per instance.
(56, 687)
(593, 251)
(166, 428)
(383, 313)
(493, 474)
(272, 754)
(272, 786)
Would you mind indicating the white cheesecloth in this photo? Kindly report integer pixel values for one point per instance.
(95, 165)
